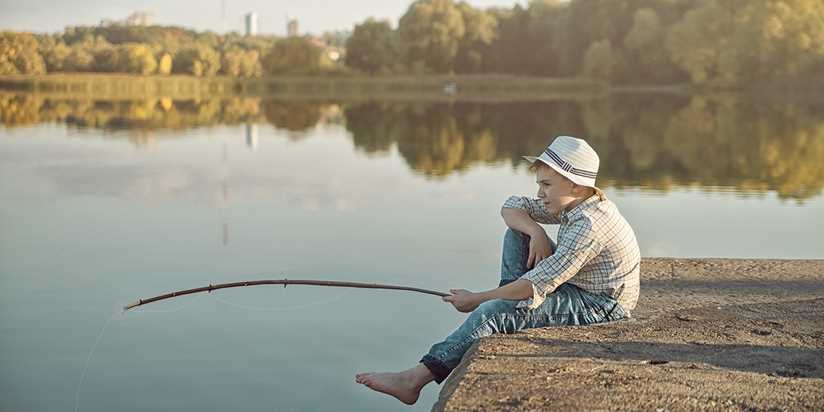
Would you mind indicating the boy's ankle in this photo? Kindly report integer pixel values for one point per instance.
(421, 374)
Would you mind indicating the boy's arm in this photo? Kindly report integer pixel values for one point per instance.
(575, 249)
(533, 208)
(466, 301)
(521, 213)
(516, 290)
(518, 219)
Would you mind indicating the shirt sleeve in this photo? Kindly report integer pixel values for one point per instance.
(575, 249)
(534, 207)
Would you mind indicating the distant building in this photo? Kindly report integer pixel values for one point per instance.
(138, 18)
(292, 28)
(251, 24)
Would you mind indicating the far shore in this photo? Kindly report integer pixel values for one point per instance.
(346, 86)
(439, 87)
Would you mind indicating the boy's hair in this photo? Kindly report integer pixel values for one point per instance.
(538, 164)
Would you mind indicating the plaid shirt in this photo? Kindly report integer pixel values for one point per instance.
(596, 251)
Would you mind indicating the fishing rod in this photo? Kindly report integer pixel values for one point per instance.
(283, 282)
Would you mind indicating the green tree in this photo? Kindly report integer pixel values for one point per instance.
(250, 65)
(199, 60)
(601, 60)
(19, 55)
(230, 62)
(293, 55)
(699, 41)
(481, 28)
(241, 63)
(79, 60)
(644, 46)
(782, 39)
(138, 59)
(107, 59)
(430, 33)
(164, 64)
(54, 54)
(584, 23)
(373, 46)
(510, 49)
(545, 36)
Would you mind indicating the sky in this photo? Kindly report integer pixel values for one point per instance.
(314, 16)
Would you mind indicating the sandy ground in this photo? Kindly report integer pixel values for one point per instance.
(708, 334)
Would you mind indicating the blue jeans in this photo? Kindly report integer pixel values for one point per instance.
(567, 305)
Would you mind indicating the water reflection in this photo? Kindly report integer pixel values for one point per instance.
(90, 225)
(651, 141)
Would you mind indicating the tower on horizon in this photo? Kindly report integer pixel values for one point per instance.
(251, 24)
(292, 27)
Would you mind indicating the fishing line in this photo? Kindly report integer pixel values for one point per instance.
(119, 314)
(89, 358)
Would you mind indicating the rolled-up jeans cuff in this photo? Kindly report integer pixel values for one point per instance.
(438, 368)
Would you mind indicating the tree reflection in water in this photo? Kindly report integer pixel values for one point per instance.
(653, 141)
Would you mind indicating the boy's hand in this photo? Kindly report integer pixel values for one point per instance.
(539, 249)
(463, 300)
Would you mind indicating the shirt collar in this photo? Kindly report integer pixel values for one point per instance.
(580, 207)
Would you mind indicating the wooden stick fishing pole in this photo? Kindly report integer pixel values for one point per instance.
(283, 282)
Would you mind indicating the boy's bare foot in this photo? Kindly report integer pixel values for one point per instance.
(402, 385)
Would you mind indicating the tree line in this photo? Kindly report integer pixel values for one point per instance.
(158, 50)
(724, 42)
(621, 41)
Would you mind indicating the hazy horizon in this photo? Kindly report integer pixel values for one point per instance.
(222, 16)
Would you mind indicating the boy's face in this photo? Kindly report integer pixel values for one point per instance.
(555, 190)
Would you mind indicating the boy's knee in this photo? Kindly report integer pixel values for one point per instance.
(494, 307)
(512, 234)
(494, 314)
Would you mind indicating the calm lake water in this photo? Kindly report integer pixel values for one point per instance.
(102, 203)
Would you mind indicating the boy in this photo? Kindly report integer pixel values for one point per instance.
(591, 276)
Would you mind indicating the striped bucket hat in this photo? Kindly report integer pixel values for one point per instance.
(572, 157)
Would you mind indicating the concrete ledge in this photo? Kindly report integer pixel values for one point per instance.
(708, 334)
